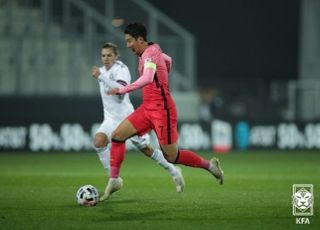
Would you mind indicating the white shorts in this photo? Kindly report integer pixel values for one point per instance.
(109, 125)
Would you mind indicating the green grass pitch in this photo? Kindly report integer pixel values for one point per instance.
(38, 192)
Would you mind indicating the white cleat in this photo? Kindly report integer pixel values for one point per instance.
(114, 184)
(216, 170)
(179, 180)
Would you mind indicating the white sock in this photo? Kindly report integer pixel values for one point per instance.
(158, 157)
(104, 157)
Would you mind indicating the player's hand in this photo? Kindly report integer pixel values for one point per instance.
(114, 91)
(95, 72)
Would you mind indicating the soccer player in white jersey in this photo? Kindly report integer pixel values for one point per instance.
(115, 74)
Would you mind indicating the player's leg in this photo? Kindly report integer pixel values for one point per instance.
(165, 125)
(118, 147)
(191, 159)
(117, 154)
(101, 142)
(143, 144)
(103, 149)
(135, 123)
(102, 145)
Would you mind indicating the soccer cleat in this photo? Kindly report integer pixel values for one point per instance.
(179, 180)
(114, 184)
(216, 170)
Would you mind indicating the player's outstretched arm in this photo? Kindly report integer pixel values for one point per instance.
(146, 78)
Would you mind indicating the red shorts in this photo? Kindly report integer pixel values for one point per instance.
(163, 122)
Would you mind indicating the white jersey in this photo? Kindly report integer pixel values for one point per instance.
(116, 107)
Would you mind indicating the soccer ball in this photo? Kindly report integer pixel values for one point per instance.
(87, 195)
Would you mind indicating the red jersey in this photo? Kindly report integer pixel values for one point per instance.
(156, 95)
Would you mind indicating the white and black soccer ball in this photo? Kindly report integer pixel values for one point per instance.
(87, 195)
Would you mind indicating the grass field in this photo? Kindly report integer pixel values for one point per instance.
(38, 192)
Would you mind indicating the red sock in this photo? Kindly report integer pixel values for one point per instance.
(189, 158)
(117, 153)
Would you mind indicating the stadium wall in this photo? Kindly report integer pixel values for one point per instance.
(69, 124)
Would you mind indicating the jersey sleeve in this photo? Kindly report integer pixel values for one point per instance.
(149, 58)
(146, 78)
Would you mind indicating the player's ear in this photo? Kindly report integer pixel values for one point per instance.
(140, 40)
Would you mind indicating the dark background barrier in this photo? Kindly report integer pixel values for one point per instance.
(55, 110)
(69, 124)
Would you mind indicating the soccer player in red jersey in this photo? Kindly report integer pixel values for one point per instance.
(157, 111)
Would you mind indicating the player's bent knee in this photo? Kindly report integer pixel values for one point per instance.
(100, 140)
(169, 158)
(118, 136)
(170, 152)
(99, 144)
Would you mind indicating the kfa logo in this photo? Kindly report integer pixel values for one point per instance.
(302, 220)
(302, 202)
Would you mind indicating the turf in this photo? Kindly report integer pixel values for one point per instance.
(38, 192)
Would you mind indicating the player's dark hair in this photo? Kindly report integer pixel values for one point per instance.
(136, 30)
(112, 46)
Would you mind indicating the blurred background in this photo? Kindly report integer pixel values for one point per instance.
(245, 72)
